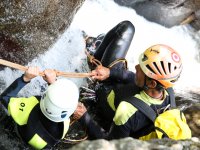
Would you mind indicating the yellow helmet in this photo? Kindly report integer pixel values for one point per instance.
(162, 63)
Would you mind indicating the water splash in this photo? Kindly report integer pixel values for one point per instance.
(65, 55)
(99, 16)
(96, 17)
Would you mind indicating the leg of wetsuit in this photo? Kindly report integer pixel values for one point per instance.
(114, 46)
(115, 43)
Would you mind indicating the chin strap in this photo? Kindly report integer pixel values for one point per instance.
(145, 87)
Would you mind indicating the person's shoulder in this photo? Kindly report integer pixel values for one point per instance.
(124, 111)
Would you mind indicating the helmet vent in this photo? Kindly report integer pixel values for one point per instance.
(163, 67)
(63, 114)
(144, 58)
(148, 67)
(169, 66)
(172, 81)
(154, 63)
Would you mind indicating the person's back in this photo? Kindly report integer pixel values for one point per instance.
(41, 121)
(159, 68)
(111, 52)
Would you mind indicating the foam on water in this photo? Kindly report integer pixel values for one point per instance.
(99, 16)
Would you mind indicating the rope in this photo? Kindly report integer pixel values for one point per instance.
(92, 59)
(12, 65)
(58, 73)
(73, 141)
(118, 61)
(98, 63)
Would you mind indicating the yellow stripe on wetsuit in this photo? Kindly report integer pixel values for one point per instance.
(20, 108)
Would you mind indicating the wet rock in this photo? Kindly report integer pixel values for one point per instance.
(134, 144)
(193, 118)
(29, 28)
(167, 13)
(10, 50)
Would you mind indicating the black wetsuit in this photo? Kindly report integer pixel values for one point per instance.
(121, 84)
(47, 128)
(114, 46)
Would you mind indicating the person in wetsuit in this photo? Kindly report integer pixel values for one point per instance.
(41, 121)
(158, 69)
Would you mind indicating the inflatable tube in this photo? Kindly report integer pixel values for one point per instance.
(115, 43)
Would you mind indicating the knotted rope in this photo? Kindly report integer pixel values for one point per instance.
(96, 62)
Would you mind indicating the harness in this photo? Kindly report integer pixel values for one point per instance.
(146, 109)
(150, 112)
(171, 123)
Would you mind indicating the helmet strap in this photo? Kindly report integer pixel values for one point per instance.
(145, 87)
(158, 87)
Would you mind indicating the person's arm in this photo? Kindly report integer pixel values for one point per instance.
(95, 131)
(102, 73)
(18, 84)
(12, 90)
(122, 75)
(118, 131)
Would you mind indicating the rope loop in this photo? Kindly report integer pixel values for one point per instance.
(92, 59)
(123, 60)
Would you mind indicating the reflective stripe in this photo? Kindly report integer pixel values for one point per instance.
(111, 100)
(20, 108)
(124, 111)
(151, 135)
(37, 142)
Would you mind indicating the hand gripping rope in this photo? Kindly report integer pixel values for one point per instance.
(58, 73)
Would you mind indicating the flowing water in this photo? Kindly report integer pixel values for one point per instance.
(99, 16)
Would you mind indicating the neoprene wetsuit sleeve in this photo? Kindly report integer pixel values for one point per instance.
(94, 130)
(122, 75)
(117, 132)
(12, 90)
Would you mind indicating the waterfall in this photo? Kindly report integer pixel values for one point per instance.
(99, 16)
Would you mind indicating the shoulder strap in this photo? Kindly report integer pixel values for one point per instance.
(170, 91)
(146, 109)
(143, 107)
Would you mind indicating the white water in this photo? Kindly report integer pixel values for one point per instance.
(99, 16)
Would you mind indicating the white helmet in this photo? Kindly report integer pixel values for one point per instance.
(60, 100)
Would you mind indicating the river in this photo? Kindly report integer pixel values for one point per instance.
(99, 16)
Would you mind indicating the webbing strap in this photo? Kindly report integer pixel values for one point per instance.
(123, 60)
(146, 109)
(143, 107)
(172, 97)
